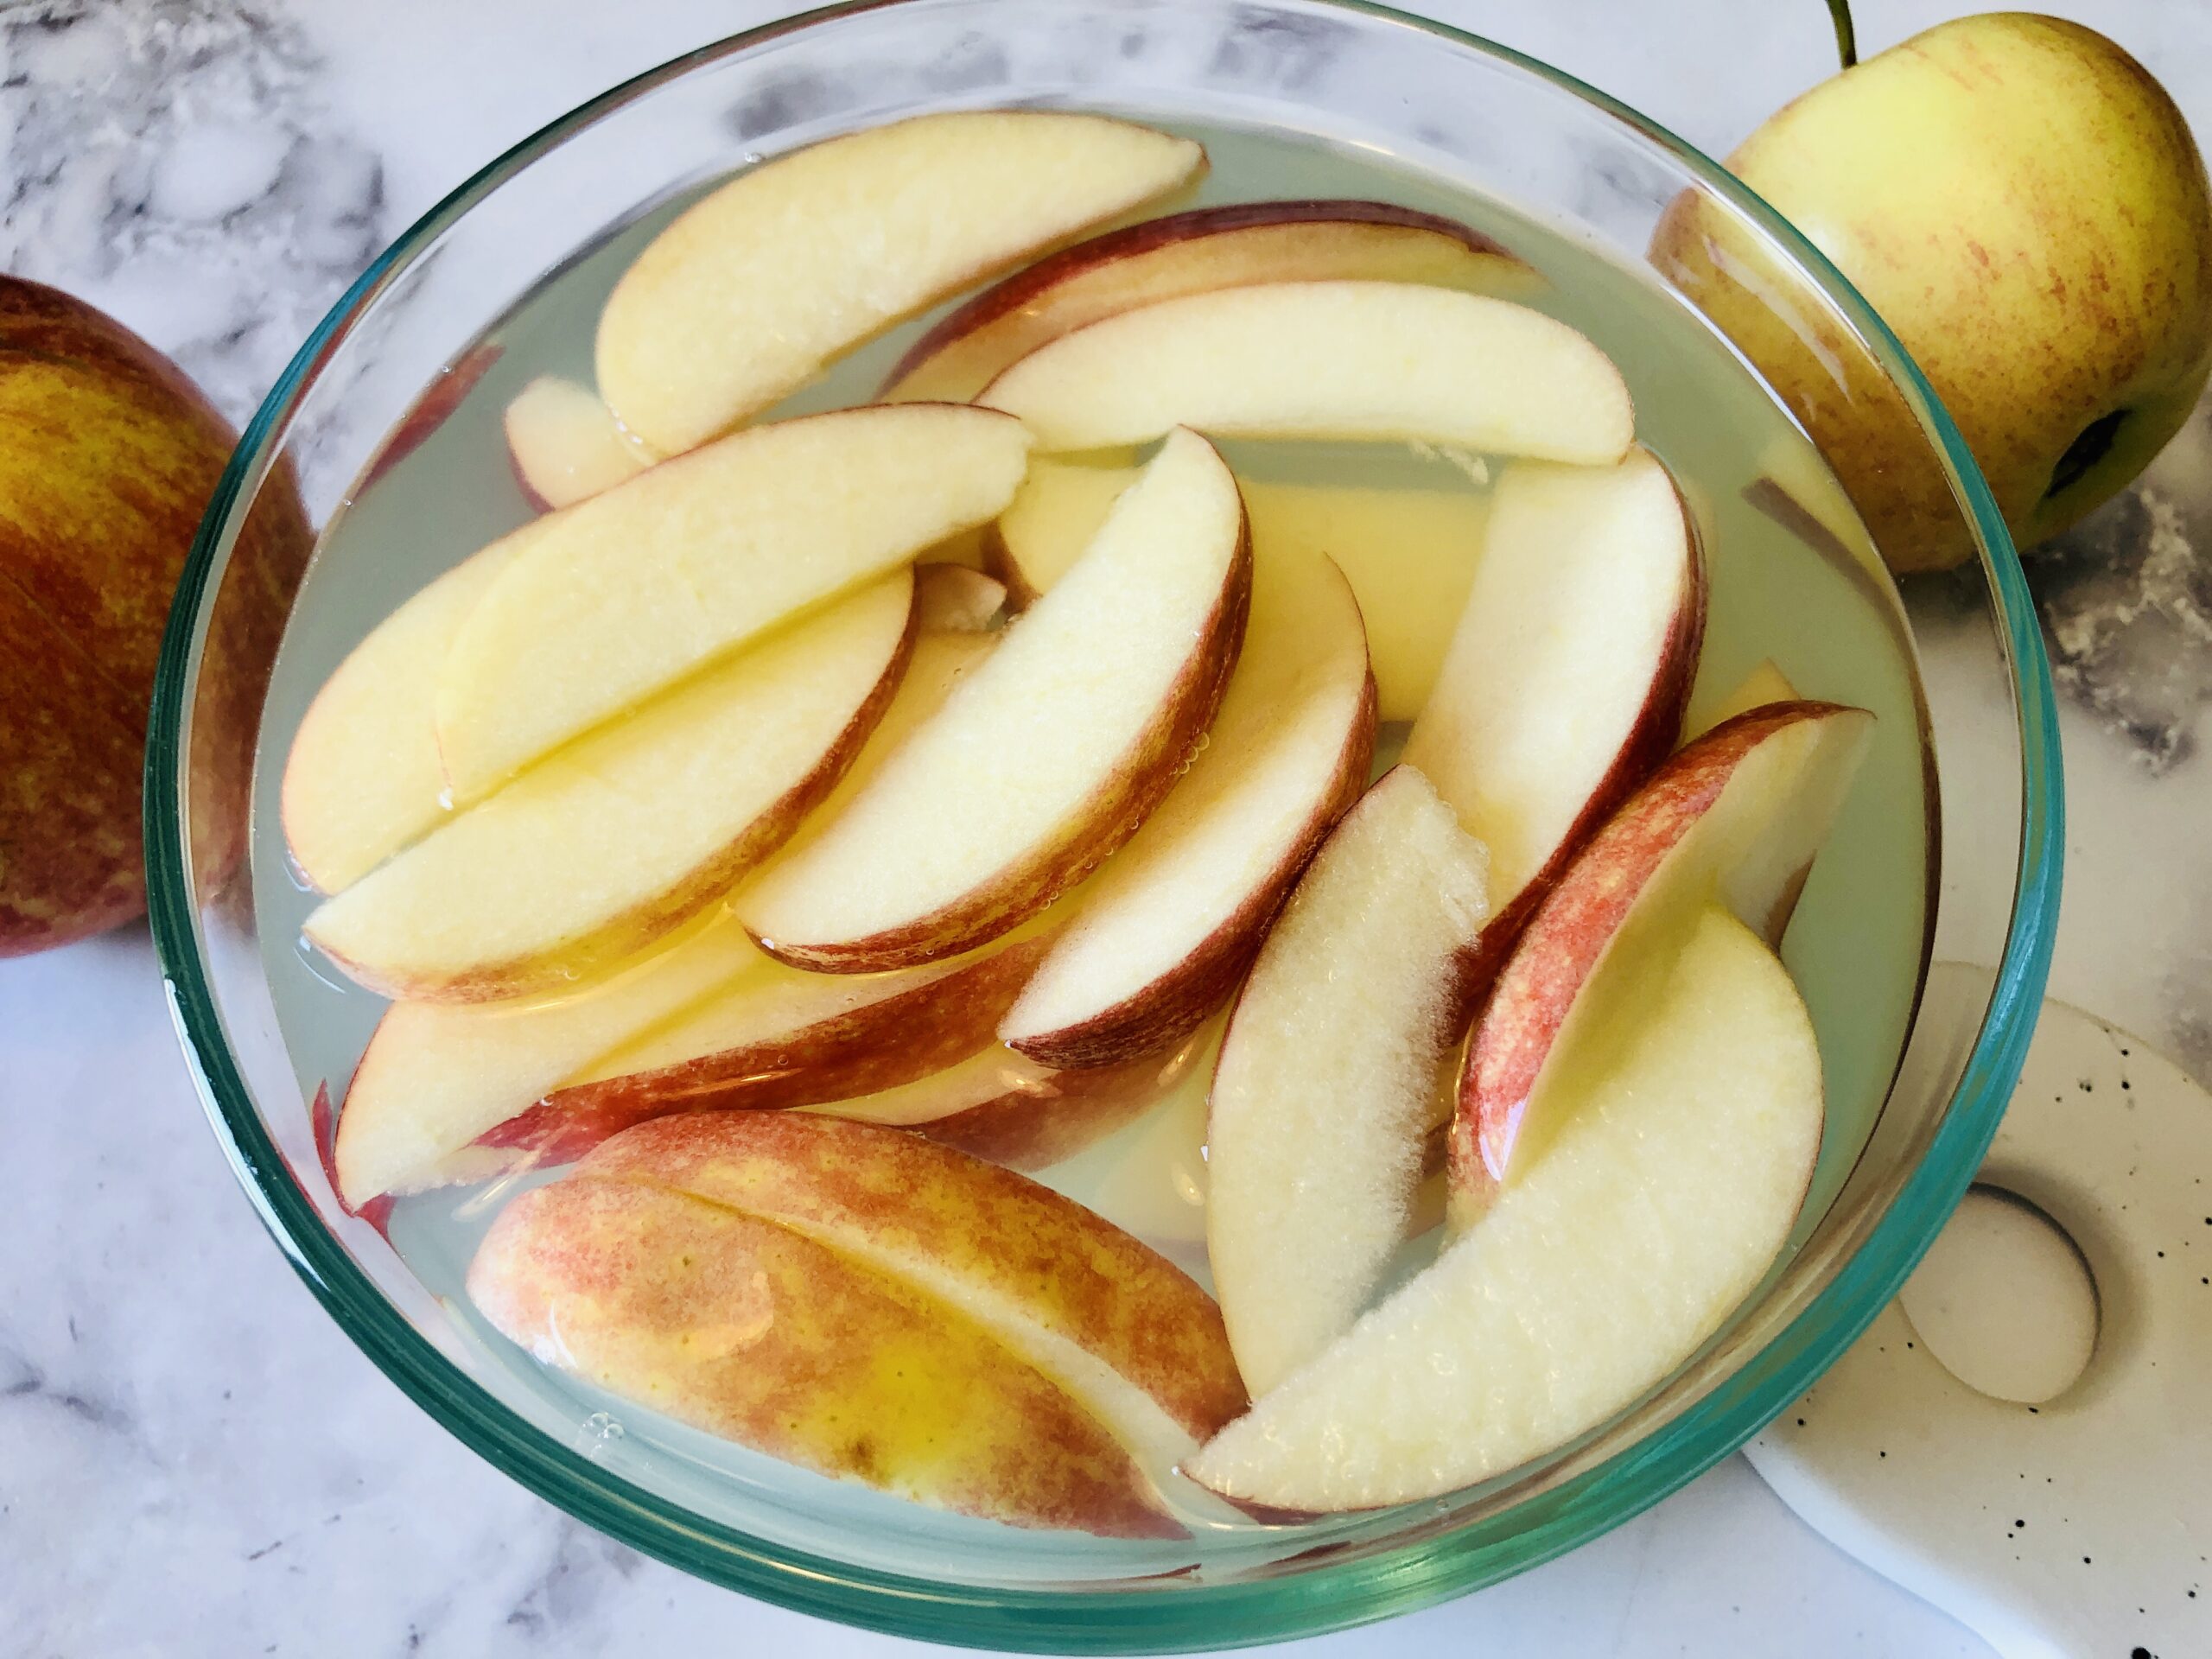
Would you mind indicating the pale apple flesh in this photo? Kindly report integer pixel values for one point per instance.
(1192, 253)
(1113, 1320)
(623, 594)
(436, 1075)
(626, 835)
(1329, 1081)
(1764, 683)
(754, 1332)
(1166, 929)
(1409, 554)
(1342, 360)
(1735, 816)
(1566, 680)
(1662, 1201)
(565, 447)
(753, 290)
(1046, 758)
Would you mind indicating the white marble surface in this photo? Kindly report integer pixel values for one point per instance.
(193, 1460)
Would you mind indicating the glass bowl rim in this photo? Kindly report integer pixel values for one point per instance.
(1322, 1598)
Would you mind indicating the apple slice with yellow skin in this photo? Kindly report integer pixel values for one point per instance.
(1166, 929)
(436, 1075)
(752, 1332)
(1661, 1203)
(626, 835)
(1344, 360)
(1195, 252)
(1566, 675)
(1122, 1328)
(755, 290)
(1328, 1085)
(564, 445)
(1046, 758)
(363, 779)
(1409, 554)
(614, 598)
(1736, 816)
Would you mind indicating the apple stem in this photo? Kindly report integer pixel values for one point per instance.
(1846, 39)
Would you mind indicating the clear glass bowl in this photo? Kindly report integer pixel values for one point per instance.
(1437, 102)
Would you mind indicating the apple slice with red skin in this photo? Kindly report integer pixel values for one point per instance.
(1045, 760)
(755, 288)
(1736, 815)
(1564, 684)
(1347, 361)
(565, 446)
(1166, 929)
(1763, 683)
(1193, 252)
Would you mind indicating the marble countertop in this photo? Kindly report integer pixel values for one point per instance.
(193, 1459)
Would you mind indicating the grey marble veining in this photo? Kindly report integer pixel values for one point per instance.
(193, 1459)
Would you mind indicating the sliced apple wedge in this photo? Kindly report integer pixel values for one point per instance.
(1039, 1117)
(1168, 926)
(363, 779)
(1565, 678)
(615, 598)
(1110, 1318)
(777, 1037)
(1329, 1081)
(1339, 359)
(752, 1331)
(754, 289)
(564, 445)
(436, 1075)
(1048, 756)
(1195, 252)
(632, 832)
(1671, 1187)
(1765, 683)
(1736, 815)
(1409, 554)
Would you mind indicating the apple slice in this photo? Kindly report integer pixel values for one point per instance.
(1039, 1117)
(755, 289)
(1195, 252)
(750, 1331)
(363, 779)
(1603, 1265)
(614, 598)
(436, 1075)
(1763, 684)
(777, 1037)
(565, 447)
(1048, 756)
(1329, 1081)
(1566, 679)
(627, 835)
(1337, 360)
(1737, 815)
(1168, 928)
(1409, 554)
(1110, 1318)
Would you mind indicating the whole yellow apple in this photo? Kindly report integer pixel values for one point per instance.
(2025, 206)
(108, 457)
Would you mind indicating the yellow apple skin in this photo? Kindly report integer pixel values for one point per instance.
(2024, 204)
(108, 456)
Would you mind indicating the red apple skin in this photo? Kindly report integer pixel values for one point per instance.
(1571, 927)
(1027, 287)
(433, 410)
(109, 455)
(1654, 736)
(899, 1040)
(1164, 1013)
